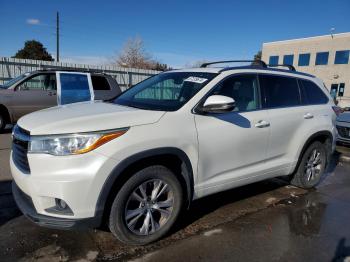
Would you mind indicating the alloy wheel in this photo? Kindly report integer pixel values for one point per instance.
(313, 165)
(149, 207)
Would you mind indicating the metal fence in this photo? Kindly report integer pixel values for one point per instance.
(126, 77)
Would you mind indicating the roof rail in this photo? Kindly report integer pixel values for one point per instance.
(254, 62)
(69, 69)
(290, 67)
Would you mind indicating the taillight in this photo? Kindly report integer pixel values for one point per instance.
(337, 110)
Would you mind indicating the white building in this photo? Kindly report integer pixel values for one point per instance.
(326, 57)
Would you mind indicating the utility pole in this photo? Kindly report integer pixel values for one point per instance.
(57, 37)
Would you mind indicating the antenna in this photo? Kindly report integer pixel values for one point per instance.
(57, 37)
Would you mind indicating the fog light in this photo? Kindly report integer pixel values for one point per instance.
(61, 203)
(61, 207)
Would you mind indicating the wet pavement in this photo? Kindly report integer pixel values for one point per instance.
(313, 227)
(266, 221)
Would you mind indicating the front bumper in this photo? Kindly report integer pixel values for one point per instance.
(25, 204)
(77, 180)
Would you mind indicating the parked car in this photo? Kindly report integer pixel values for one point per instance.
(343, 126)
(173, 138)
(38, 90)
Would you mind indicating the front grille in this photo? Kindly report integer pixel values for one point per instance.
(20, 144)
(344, 131)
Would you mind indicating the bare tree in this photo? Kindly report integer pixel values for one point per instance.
(196, 63)
(135, 55)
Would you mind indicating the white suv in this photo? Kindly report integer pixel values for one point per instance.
(173, 138)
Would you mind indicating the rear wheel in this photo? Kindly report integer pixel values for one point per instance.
(146, 206)
(311, 167)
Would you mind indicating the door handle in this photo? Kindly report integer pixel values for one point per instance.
(308, 116)
(262, 124)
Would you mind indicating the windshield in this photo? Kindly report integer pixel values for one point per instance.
(12, 81)
(166, 91)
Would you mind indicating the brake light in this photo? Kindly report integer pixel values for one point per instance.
(337, 110)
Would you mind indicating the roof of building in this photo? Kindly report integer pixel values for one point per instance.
(334, 36)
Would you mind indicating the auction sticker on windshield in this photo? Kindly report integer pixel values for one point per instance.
(198, 80)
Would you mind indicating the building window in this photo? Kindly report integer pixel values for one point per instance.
(342, 57)
(304, 60)
(322, 58)
(288, 59)
(273, 60)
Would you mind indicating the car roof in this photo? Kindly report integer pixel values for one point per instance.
(253, 68)
(52, 70)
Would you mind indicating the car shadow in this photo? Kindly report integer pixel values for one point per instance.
(233, 118)
(8, 207)
(206, 205)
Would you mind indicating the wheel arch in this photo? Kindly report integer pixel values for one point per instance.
(325, 137)
(173, 158)
(3, 109)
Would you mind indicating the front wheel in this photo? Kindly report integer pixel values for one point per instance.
(146, 206)
(311, 167)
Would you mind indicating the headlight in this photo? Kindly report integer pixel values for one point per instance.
(72, 144)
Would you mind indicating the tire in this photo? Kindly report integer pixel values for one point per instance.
(131, 214)
(2, 121)
(311, 167)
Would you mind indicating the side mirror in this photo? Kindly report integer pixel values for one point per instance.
(218, 104)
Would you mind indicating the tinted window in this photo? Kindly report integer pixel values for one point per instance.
(243, 89)
(166, 91)
(313, 94)
(74, 88)
(280, 91)
(288, 59)
(273, 60)
(304, 60)
(100, 83)
(341, 57)
(322, 58)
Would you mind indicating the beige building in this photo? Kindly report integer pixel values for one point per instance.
(326, 57)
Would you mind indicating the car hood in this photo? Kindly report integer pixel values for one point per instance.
(86, 117)
(344, 117)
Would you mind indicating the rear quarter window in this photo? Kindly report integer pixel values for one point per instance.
(312, 94)
(280, 91)
(100, 83)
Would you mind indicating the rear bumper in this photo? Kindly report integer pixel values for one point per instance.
(25, 204)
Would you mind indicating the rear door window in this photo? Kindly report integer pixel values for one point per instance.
(312, 94)
(280, 91)
(100, 83)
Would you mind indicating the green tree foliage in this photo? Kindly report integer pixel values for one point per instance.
(33, 50)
